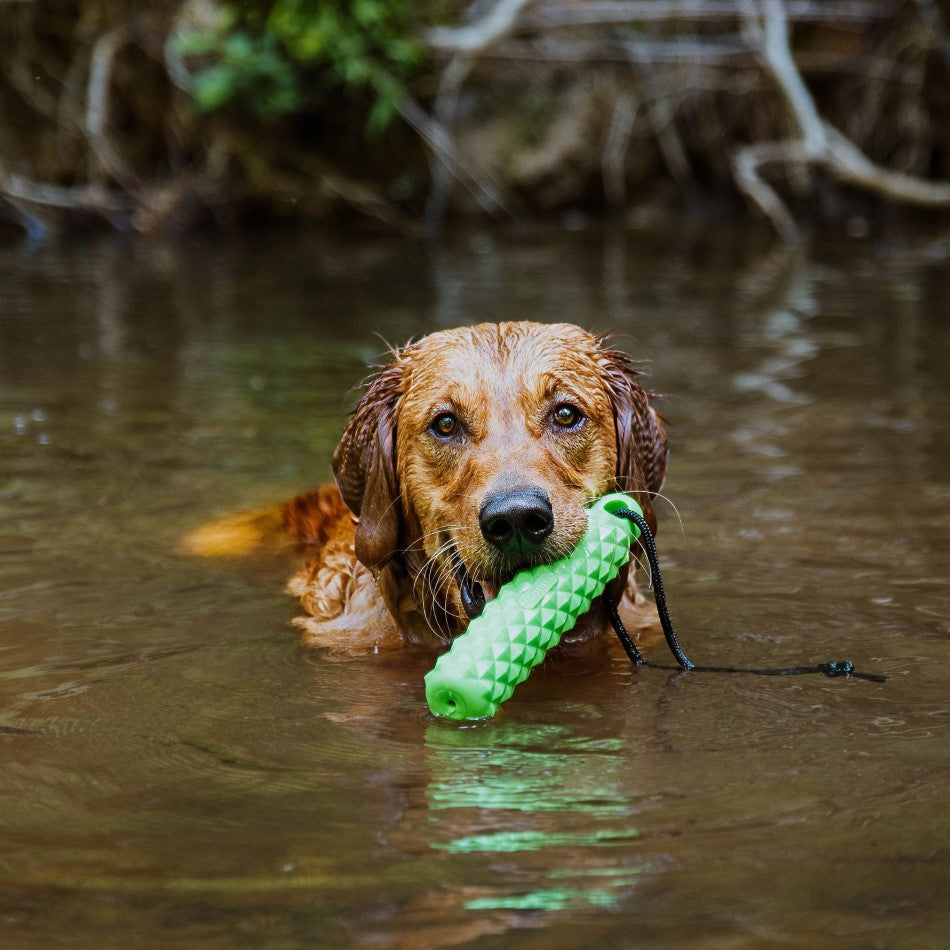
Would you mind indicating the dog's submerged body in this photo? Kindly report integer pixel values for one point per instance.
(471, 455)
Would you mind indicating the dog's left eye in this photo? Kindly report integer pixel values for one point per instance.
(566, 416)
(445, 425)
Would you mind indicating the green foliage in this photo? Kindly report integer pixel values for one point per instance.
(277, 57)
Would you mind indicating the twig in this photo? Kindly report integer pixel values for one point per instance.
(746, 167)
(606, 12)
(96, 123)
(613, 161)
(853, 167)
(466, 43)
(933, 18)
(720, 50)
(445, 109)
(21, 70)
(24, 195)
(80, 197)
(661, 111)
(777, 54)
(439, 140)
(498, 22)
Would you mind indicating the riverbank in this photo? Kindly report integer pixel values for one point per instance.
(166, 117)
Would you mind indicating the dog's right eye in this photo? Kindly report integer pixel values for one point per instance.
(444, 425)
(567, 416)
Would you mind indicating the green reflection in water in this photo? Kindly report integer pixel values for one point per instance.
(506, 842)
(612, 885)
(530, 769)
(551, 899)
(516, 789)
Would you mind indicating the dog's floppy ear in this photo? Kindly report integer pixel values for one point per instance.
(641, 441)
(364, 465)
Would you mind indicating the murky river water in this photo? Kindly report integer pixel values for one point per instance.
(176, 770)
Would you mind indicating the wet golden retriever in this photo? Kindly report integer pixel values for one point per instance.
(471, 455)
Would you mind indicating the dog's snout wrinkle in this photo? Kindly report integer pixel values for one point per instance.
(518, 520)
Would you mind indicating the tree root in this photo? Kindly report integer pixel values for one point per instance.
(817, 142)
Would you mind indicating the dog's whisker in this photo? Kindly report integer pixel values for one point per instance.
(437, 568)
(433, 581)
(653, 495)
(672, 504)
(442, 529)
(430, 607)
(638, 561)
(440, 550)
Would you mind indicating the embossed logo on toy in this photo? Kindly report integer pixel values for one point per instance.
(537, 590)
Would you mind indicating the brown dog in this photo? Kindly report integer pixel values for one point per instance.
(470, 456)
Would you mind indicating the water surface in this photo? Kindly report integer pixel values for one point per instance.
(177, 770)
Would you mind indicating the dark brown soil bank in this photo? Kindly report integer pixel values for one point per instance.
(163, 115)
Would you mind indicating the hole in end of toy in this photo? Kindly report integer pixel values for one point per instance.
(616, 504)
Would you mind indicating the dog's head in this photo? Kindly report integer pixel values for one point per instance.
(476, 451)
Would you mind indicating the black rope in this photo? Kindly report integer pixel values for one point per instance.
(831, 668)
(649, 545)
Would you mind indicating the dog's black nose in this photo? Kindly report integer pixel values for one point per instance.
(516, 520)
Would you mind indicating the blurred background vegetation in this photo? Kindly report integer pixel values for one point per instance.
(163, 115)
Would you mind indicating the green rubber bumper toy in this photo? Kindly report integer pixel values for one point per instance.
(528, 617)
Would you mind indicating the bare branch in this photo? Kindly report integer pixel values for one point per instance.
(445, 110)
(80, 197)
(617, 141)
(661, 109)
(746, 165)
(499, 21)
(720, 50)
(97, 107)
(28, 196)
(439, 140)
(933, 18)
(466, 43)
(607, 12)
(777, 54)
(852, 166)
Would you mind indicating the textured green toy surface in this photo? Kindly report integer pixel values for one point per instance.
(528, 617)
